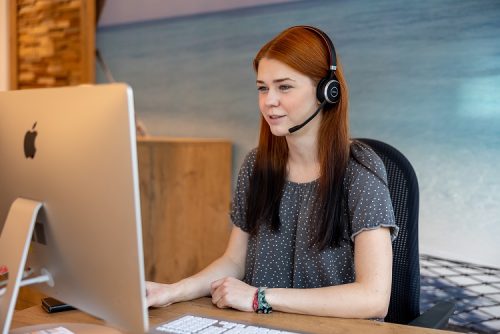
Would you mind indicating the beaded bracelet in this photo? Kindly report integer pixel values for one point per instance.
(260, 304)
(255, 303)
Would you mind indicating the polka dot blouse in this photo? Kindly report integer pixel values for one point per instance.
(284, 259)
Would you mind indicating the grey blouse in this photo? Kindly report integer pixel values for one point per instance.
(285, 259)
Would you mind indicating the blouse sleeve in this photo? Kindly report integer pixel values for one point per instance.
(239, 203)
(369, 201)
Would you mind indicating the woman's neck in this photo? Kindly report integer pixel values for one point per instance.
(303, 164)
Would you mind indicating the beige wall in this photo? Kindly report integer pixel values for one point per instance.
(125, 11)
(4, 46)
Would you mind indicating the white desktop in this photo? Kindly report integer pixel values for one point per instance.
(68, 176)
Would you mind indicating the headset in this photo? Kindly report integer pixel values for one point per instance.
(328, 89)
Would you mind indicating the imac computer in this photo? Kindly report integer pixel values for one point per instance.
(69, 202)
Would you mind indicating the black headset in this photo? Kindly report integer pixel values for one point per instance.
(328, 89)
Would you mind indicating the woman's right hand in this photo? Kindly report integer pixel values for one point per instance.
(159, 295)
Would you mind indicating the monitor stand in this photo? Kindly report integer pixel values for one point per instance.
(14, 245)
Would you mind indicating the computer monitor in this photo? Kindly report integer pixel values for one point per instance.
(74, 150)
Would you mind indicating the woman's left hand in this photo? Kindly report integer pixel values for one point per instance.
(231, 292)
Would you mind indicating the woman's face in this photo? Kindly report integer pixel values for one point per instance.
(286, 97)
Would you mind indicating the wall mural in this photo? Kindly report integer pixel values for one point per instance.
(424, 76)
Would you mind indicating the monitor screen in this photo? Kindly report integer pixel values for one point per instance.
(74, 150)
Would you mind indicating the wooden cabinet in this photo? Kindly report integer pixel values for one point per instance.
(185, 196)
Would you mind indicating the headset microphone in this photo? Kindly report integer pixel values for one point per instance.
(300, 126)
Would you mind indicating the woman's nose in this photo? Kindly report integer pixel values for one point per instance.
(272, 98)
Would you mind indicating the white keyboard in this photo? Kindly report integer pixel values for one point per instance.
(195, 324)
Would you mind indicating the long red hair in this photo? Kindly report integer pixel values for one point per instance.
(306, 52)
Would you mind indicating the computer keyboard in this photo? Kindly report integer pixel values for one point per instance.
(200, 325)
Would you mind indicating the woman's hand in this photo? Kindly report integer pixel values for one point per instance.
(231, 292)
(160, 295)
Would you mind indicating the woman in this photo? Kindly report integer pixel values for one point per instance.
(312, 214)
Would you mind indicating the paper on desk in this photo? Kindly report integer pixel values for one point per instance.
(55, 330)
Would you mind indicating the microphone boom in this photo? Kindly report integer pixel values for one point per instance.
(300, 126)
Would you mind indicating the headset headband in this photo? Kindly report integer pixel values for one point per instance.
(329, 44)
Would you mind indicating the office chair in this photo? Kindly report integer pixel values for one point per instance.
(404, 307)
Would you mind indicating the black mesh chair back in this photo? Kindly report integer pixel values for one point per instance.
(403, 187)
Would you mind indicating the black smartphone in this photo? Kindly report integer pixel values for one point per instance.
(51, 305)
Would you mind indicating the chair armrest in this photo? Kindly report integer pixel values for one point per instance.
(436, 317)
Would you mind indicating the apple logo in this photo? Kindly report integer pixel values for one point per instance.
(29, 142)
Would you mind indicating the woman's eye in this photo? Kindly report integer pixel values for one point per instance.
(285, 87)
(262, 89)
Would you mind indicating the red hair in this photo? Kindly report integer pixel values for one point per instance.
(306, 52)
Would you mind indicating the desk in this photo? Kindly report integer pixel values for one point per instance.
(203, 306)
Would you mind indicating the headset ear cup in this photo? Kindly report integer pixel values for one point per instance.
(329, 90)
(332, 91)
(320, 95)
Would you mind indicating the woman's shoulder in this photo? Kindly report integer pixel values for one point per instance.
(250, 158)
(363, 157)
(248, 163)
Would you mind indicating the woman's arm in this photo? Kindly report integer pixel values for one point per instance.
(367, 297)
(230, 264)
